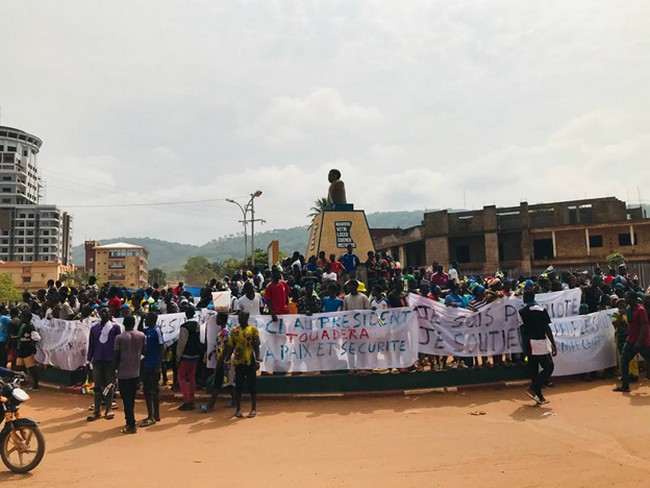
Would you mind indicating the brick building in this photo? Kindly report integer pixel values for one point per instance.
(525, 238)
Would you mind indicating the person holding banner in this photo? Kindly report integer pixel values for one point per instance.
(244, 347)
(638, 338)
(536, 337)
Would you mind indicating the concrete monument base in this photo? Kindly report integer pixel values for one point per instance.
(333, 230)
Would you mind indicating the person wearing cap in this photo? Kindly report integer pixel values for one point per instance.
(355, 300)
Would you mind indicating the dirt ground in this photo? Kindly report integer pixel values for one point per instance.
(587, 436)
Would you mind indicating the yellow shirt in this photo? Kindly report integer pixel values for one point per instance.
(243, 342)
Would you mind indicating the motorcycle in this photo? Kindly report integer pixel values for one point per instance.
(22, 444)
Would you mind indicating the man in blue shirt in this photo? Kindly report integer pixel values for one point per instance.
(5, 320)
(349, 260)
(153, 356)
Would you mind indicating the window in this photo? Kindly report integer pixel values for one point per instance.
(625, 239)
(6, 200)
(462, 253)
(6, 178)
(595, 241)
(6, 190)
(27, 279)
(543, 248)
(11, 149)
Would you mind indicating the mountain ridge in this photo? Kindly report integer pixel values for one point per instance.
(171, 256)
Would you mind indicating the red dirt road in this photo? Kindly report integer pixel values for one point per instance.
(587, 436)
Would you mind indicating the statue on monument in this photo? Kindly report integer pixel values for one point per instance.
(336, 191)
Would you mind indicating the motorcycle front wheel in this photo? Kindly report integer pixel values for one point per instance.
(22, 450)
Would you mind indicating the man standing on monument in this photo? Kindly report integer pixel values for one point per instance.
(336, 191)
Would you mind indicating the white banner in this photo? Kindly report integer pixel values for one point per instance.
(63, 343)
(493, 330)
(360, 339)
(584, 343)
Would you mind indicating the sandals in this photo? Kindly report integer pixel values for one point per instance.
(128, 430)
(147, 422)
(109, 415)
(92, 417)
(252, 414)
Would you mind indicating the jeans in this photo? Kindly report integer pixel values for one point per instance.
(628, 355)
(187, 379)
(128, 388)
(540, 378)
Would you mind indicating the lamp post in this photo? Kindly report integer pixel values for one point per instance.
(243, 211)
(249, 207)
(251, 204)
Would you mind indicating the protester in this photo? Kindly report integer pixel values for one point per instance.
(244, 346)
(224, 372)
(637, 341)
(151, 366)
(538, 344)
(101, 352)
(129, 347)
(355, 300)
(188, 354)
(27, 339)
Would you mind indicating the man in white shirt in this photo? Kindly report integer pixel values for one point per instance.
(250, 301)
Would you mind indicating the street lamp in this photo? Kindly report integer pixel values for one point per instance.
(249, 207)
(251, 204)
(243, 211)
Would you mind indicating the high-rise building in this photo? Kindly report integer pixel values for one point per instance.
(29, 231)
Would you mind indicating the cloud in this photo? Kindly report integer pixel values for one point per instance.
(289, 120)
(419, 104)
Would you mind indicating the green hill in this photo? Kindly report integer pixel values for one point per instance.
(171, 256)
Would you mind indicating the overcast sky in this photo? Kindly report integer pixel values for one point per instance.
(416, 102)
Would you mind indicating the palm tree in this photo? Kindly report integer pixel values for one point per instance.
(319, 205)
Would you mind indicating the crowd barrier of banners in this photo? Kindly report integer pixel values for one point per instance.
(383, 339)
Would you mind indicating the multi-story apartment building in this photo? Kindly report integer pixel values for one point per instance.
(120, 264)
(29, 232)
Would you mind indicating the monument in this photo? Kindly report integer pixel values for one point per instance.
(339, 225)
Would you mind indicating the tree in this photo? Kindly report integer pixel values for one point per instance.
(197, 270)
(615, 259)
(8, 292)
(157, 275)
(319, 206)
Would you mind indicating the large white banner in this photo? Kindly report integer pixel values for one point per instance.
(63, 343)
(360, 339)
(493, 330)
(584, 343)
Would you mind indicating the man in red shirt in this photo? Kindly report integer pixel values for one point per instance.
(638, 338)
(337, 267)
(277, 295)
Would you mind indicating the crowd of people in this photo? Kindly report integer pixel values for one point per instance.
(134, 354)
